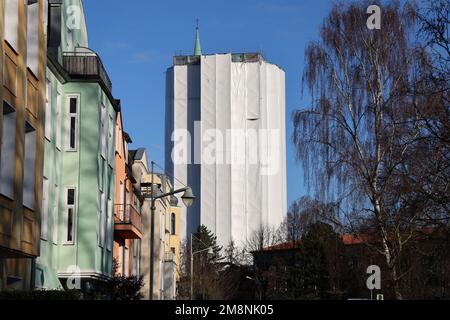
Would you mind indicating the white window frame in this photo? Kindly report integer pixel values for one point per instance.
(45, 208)
(120, 260)
(101, 220)
(126, 261)
(74, 208)
(58, 119)
(48, 110)
(118, 135)
(55, 211)
(109, 236)
(68, 125)
(102, 133)
(111, 144)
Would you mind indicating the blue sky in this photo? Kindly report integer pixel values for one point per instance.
(136, 40)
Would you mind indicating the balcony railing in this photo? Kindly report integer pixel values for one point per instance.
(169, 257)
(128, 221)
(85, 63)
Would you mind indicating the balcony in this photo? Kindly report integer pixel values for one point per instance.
(127, 222)
(85, 64)
(169, 257)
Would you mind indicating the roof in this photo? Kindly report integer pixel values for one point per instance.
(131, 154)
(348, 239)
(127, 137)
(137, 154)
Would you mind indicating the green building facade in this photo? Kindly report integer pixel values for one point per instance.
(77, 222)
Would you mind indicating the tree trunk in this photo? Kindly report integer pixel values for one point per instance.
(387, 251)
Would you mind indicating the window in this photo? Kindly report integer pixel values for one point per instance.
(120, 260)
(58, 120)
(29, 167)
(135, 257)
(126, 152)
(102, 138)
(121, 200)
(33, 36)
(11, 22)
(55, 214)
(127, 201)
(72, 126)
(70, 216)
(8, 151)
(45, 205)
(138, 256)
(173, 224)
(126, 261)
(118, 135)
(48, 110)
(109, 228)
(101, 221)
(111, 140)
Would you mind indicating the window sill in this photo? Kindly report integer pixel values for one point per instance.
(32, 73)
(29, 208)
(10, 198)
(11, 47)
(68, 244)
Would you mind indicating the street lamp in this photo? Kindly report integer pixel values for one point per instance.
(210, 253)
(188, 199)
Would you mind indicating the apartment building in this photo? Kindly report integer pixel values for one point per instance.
(166, 228)
(127, 209)
(78, 176)
(23, 26)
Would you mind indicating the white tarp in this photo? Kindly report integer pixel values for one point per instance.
(208, 124)
(223, 168)
(234, 196)
(237, 149)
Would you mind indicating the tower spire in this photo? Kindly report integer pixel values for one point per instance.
(197, 48)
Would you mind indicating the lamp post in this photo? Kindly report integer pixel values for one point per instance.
(188, 199)
(210, 252)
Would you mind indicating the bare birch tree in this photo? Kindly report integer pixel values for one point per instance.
(357, 137)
